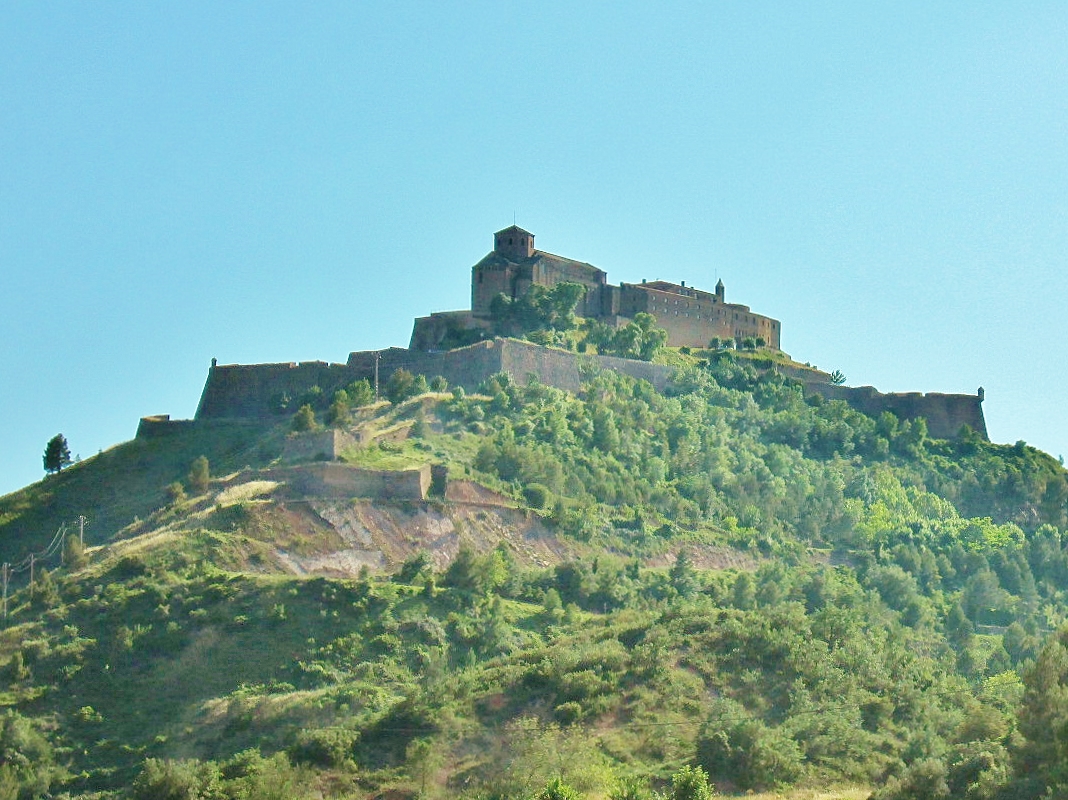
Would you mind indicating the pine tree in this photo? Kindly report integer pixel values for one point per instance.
(56, 454)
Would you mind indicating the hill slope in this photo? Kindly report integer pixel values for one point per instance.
(780, 591)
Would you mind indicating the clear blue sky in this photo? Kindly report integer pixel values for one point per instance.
(279, 181)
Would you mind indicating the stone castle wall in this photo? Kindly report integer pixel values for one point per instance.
(324, 445)
(158, 425)
(945, 413)
(341, 481)
(693, 318)
(249, 391)
(238, 391)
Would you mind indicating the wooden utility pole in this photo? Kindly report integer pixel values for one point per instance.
(5, 591)
(378, 354)
(81, 528)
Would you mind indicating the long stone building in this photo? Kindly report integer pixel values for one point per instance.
(692, 317)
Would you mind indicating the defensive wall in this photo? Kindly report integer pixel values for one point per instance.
(157, 425)
(241, 391)
(324, 445)
(251, 391)
(945, 413)
(335, 480)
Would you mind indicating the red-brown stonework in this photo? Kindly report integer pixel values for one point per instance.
(690, 316)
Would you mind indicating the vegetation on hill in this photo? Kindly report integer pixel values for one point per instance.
(546, 316)
(893, 615)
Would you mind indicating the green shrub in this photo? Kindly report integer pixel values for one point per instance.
(536, 495)
(199, 474)
(556, 789)
(923, 780)
(17, 670)
(338, 413)
(401, 385)
(26, 757)
(323, 748)
(44, 591)
(419, 426)
(748, 754)
(360, 393)
(631, 788)
(74, 556)
(304, 419)
(568, 713)
(413, 568)
(175, 493)
(690, 783)
(176, 780)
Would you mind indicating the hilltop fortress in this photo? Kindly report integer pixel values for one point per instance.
(691, 317)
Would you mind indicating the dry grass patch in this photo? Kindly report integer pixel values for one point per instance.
(836, 793)
(245, 491)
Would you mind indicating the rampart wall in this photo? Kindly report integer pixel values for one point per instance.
(239, 391)
(159, 425)
(342, 481)
(324, 445)
(250, 391)
(945, 413)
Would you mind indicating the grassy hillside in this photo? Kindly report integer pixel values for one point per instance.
(731, 583)
(124, 483)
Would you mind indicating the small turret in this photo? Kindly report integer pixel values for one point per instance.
(720, 291)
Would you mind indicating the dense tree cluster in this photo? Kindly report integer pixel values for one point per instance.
(540, 308)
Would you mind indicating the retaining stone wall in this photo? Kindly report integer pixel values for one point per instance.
(342, 481)
(324, 445)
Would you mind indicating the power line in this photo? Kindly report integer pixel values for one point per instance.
(53, 547)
